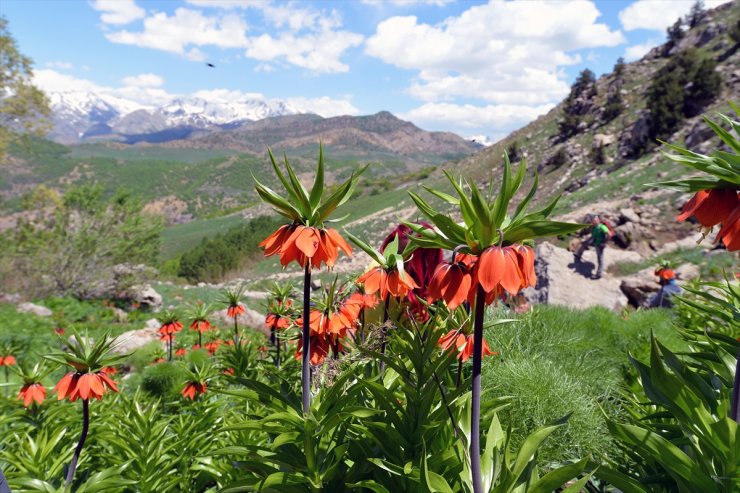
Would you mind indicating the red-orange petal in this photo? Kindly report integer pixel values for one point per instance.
(730, 231)
(511, 280)
(66, 385)
(491, 268)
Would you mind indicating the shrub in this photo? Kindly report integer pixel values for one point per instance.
(215, 257)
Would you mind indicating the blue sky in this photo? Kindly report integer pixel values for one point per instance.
(476, 68)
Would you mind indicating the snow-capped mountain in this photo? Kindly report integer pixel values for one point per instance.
(81, 116)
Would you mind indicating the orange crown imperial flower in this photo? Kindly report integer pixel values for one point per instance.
(192, 389)
(8, 360)
(84, 386)
(464, 344)
(305, 240)
(32, 392)
(710, 207)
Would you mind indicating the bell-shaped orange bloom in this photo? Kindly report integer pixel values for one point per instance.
(275, 321)
(193, 389)
(378, 280)
(201, 325)
(710, 207)
(234, 311)
(462, 343)
(7, 360)
(32, 392)
(170, 328)
(319, 349)
(450, 282)
(109, 370)
(499, 267)
(303, 244)
(181, 352)
(212, 346)
(318, 323)
(84, 386)
(666, 274)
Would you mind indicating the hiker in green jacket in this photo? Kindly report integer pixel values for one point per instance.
(599, 237)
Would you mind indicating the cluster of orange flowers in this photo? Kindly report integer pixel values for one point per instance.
(201, 325)
(192, 389)
(32, 392)
(90, 385)
(168, 330)
(498, 269)
(463, 343)
(378, 280)
(304, 244)
(713, 207)
(8, 360)
(329, 327)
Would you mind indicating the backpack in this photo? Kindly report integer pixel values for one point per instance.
(609, 226)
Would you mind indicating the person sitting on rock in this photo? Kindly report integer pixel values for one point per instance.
(599, 237)
(668, 288)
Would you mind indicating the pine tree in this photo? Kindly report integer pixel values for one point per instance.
(696, 14)
(675, 35)
(583, 88)
(619, 68)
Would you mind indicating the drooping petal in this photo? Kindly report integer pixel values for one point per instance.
(83, 386)
(338, 241)
(108, 382)
(274, 243)
(730, 231)
(710, 207)
(491, 267)
(511, 281)
(66, 385)
(525, 256)
(307, 240)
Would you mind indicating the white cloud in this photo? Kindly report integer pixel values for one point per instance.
(657, 15)
(186, 28)
(304, 37)
(319, 52)
(324, 106)
(143, 80)
(60, 65)
(118, 11)
(407, 3)
(53, 81)
(635, 52)
(502, 52)
(438, 116)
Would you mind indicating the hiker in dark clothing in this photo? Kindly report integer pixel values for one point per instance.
(668, 289)
(598, 239)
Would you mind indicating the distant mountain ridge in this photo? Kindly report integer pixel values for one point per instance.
(361, 135)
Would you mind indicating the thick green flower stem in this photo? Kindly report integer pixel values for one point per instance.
(306, 367)
(236, 331)
(169, 349)
(480, 310)
(384, 333)
(735, 403)
(200, 340)
(7, 380)
(80, 444)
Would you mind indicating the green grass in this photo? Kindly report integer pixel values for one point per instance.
(135, 153)
(557, 361)
(180, 238)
